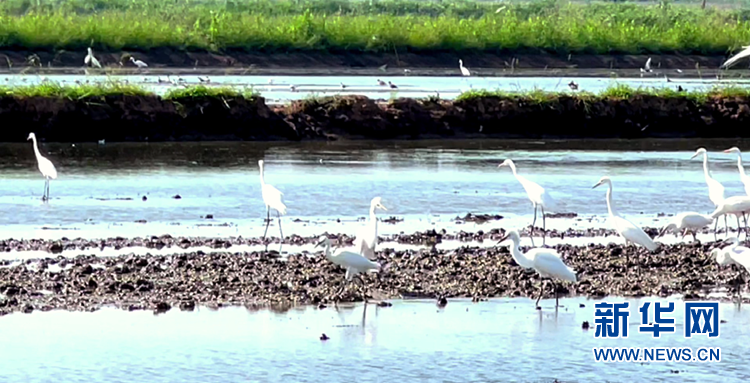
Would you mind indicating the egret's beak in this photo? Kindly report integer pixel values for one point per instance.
(501, 165)
(661, 232)
(597, 184)
(694, 155)
(382, 207)
(728, 151)
(320, 243)
(503, 239)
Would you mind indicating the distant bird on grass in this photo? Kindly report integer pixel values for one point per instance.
(90, 60)
(45, 166)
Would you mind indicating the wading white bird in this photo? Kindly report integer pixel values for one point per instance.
(138, 63)
(464, 70)
(628, 230)
(739, 56)
(45, 166)
(688, 222)
(90, 60)
(715, 188)
(546, 262)
(647, 67)
(737, 206)
(743, 177)
(272, 199)
(538, 196)
(734, 254)
(353, 263)
(367, 238)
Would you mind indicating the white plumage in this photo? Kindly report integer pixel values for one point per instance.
(546, 262)
(743, 177)
(537, 195)
(732, 254)
(739, 56)
(272, 199)
(735, 205)
(45, 166)
(625, 228)
(688, 222)
(464, 70)
(367, 237)
(715, 188)
(90, 60)
(138, 63)
(353, 263)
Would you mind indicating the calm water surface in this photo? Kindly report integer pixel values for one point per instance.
(100, 187)
(498, 340)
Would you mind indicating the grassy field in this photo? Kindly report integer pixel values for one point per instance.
(378, 25)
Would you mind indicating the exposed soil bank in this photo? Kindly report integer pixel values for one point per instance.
(151, 118)
(222, 278)
(488, 61)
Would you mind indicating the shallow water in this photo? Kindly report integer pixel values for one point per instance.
(428, 184)
(410, 341)
(278, 88)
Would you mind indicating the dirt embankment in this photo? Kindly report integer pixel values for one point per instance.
(139, 118)
(254, 279)
(340, 61)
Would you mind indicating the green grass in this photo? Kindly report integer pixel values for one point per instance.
(113, 88)
(376, 26)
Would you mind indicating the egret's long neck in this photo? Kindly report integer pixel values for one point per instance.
(328, 250)
(739, 165)
(36, 148)
(518, 256)
(610, 208)
(706, 173)
(262, 181)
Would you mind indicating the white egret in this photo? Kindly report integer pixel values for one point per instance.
(538, 196)
(647, 67)
(138, 63)
(734, 254)
(739, 56)
(546, 262)
(743, 177)
(628, 230)
(735, 205)
(689, 221)
(90, 60)
(715, 188)
(272, 199)
(353, 263)
(45, 166)
(464, 70)
(367, 237)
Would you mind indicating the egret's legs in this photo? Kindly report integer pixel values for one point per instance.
(44, 194)
(47, 189)
(557, 302)
(726, 227)
(739, 227)
(280, 232)
(716, 227)
(268, 221)
(531, 233)
(541, 292)
(544, 226)
(745, 217)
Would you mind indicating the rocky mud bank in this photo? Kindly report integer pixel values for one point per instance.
(256, 279)
(152, 118)
(424, 238)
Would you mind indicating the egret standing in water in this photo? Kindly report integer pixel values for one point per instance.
(546, 262)
(715, 188)
(353, 263)
(628, 230)
(90, 60)
(367, 238)
(45, 166)
(464, 71)
(538, 196)
(140, 64)
(690, 221)
(272, 199)
(737, 206)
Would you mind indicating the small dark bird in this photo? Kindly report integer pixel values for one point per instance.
(680, 88)
(573, 85)
(324, 337)
(392, 85)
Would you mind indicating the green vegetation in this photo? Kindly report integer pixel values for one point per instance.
(376, 25)
(113, 88)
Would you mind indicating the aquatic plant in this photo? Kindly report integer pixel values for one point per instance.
(376, 26)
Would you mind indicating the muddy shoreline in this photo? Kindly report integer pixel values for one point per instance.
(338, 62)
(224, 118)
(257, 279)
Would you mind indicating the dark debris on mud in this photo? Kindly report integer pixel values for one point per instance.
(219, 279)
